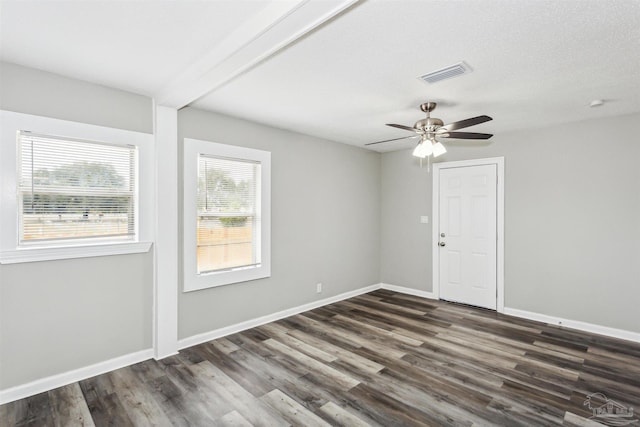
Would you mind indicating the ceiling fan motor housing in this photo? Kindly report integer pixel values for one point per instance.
(429, 124)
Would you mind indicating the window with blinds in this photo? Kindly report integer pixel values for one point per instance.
(228, 210)
(72, 190)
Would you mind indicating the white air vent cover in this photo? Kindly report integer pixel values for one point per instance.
(446, 73)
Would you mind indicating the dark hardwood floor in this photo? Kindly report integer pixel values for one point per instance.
(380, 359)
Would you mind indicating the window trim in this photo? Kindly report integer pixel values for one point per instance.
(193, 281)
(10, 251)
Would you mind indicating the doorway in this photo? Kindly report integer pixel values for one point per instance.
(468, 238)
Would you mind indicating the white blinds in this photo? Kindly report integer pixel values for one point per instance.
(226, 187)
(228, 214)
(74, 189)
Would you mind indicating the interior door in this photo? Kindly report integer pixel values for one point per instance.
(467, 235)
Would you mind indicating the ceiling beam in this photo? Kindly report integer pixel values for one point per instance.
(261, 36)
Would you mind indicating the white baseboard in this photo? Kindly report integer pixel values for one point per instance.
(252, 323)
(59, 380)
(408, 291)
(575, 324)
(65, 378)
(552, 320)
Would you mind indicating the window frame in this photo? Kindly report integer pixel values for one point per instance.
(11, 251)
(193, 149)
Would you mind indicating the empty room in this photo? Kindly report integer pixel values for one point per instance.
(319, 212)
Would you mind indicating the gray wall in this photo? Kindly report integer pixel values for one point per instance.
(405, 254)
(572, 219)
(325, 223)
(56, 316)
(31, 91)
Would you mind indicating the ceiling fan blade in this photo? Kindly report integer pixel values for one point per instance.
(389, 140)
(465, 135)
(403, 127)
(465, 123)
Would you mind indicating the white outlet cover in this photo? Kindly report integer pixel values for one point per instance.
(424, 219)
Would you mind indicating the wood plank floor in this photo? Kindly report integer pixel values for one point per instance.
(380, 359)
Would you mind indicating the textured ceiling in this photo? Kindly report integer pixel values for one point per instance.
(535, 62)
(132, 45)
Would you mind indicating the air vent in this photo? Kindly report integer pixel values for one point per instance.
(446, 73)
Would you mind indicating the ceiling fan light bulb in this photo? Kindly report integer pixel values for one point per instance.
(427, 149)
(438, 149)
(419, 150)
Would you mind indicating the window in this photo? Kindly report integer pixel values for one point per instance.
(70, 190)
(226, 208)
(73, 190)
(228, 214)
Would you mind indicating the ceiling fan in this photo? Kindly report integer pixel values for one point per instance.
(431, 128)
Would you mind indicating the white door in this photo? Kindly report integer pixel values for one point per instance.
(467, 241)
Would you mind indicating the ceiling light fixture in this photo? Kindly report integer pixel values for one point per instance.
(596, 103)
(423, 149)
(438, 148)
(429, 146)
(431, 127)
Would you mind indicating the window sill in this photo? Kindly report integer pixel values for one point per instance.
(72, 252)
(197, 282)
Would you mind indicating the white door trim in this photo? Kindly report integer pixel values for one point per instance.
(435, 224)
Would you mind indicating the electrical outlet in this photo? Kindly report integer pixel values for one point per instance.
(319, 288)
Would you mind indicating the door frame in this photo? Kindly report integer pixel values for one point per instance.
(435, 269)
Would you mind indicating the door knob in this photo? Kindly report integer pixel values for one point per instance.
(442, 244)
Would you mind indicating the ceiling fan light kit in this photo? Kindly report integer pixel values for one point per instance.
(438, 149)
(430, 128)
(427, 147)
(423, 149)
